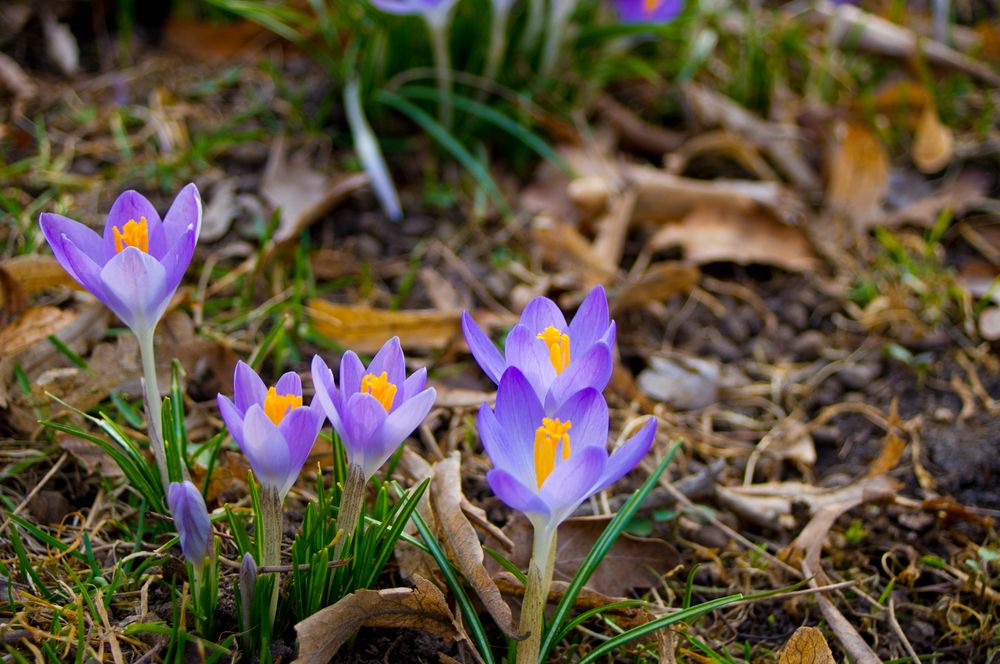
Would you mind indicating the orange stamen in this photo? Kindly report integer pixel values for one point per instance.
(558, 343)
(548, 437)
(276, 406)
(649, 6)
(132, 234)
(380, 388)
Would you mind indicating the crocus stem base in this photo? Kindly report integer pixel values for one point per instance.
(536, 594)
(351, 500)
(272, 520)
(498, 43)
(154, 405)
(438, 27)
(559, 13)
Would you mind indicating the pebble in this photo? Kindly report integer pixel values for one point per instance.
(859, 376)
(809, 345)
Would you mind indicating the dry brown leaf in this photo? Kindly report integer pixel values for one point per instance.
(858, 175)
(636, 133)
(903, 101)
(90, 456)
(563, 245)
(215, 42)
(934, 143)
(892, 445)
(36, 324)
(365, 330)
(789, 439)
(660, 282)
(633, 562)
(423, 608)
(461, 540)
(302, 193)
(806, 646)
(34, 272)
(711, 234)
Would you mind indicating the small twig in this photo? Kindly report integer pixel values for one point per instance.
(899, 632)
(34, 491)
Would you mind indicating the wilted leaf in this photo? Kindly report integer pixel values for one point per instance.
(35, 325)
(365, 330)
(934, 143)
(807, 646)
(564, 246)
(424, 608)
(711, 234)
(215, 42)
(687, 383)
(632, 562)
(461, 540)
(859, 174)
(90, 456)
(34, 272)
(790, 439)
(660, 282)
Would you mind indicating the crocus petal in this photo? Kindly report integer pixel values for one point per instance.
(132, 206)
(191, 519)
(531, 356)
(58, 229)
(232, 417)
(593, 369)
(516, 495)
(289, 383)
(299, 428)
(589, 323)
(626, 457)
(389, 359)
(178, 257)
(640, 11)
(588, 412)
(414, 384)
(184, 211)
(486, 354)
(518, 410)
(608, 337)
(137, 280)
(266, 449)
(362, 417)
(326, 391)
(506, 451)
(397, 427)
(248, 388)
(541, 313)
(573, 481)
(351, 373)
(87, 273)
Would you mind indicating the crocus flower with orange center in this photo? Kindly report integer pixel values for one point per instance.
(375, 408)
(557, 358)
(273, 427)
(648, 11)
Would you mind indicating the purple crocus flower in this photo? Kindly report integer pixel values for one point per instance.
(558, 359)
(648, 11)
(191, 519)
(375, 408)
(137, 265)
(411, 7)
(546, 466)
(272, 426)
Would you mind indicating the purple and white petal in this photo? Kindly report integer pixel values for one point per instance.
(59, 229)
(517, 409)
(397, 427)
(184, 211)
(626, 457)
(588, 412)
(362, 417)
(589, 323)
(506, 451)
(132, 206)
(641, 11)
(137, 280)
(389, 359)
(289, 384)
(593, 369)
(232, 417)
(531, 356)
(266, 449)
(248, 388)
(85, 271)
(326, 391)
(351, 373)
(299, 428)
(516, 495)
(573, 481)
(484, 351)
(541, 313)
(177, 259)
(412, 386)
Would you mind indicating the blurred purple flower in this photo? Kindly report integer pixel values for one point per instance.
(558, 359)
(375, 409)
(191, 519)
(410, 7)
(648, 11)
(546, 466)
(138, 264)
(272, 426)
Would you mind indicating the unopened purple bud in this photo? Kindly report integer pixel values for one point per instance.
(191, 519)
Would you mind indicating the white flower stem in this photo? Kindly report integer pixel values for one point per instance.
(437, 24)
(536, 594)
(351, 500)
(272, 521)
(559, 13)
(367, 147)
(536, 21)
(498, 41)
(154, 405)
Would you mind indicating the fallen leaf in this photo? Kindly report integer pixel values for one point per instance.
(461, 541)
(959, 194)
(34, 325)
(215, 42)
(858, 175)
(564, 246)
(365, 330)
(34, 273)
(806, 646)
(714, 234)
(632, 562)
(933, 144)
(658, 283)
(687, 383)
(91, 457)
(423, 608)
(789, 439)
(892, 445)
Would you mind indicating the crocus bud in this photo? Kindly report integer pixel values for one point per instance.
(191, 519)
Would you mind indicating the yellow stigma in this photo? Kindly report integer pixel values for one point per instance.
(649, 6)
(380, 388)
(558, 343)
(276, 406)
(132, 234)
(547, 440)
